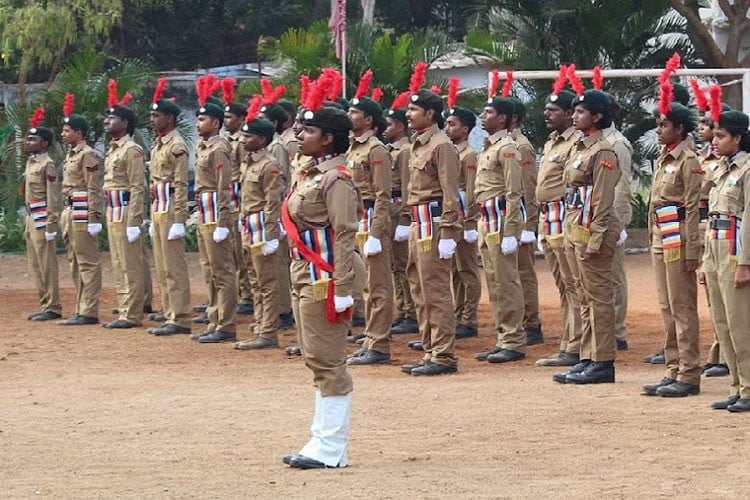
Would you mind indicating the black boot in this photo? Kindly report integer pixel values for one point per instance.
(597, 372)
(562, 377)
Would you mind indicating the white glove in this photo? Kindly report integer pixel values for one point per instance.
(133, 233)
(94, 229)
(540, 245)
(402, 233)
(342, 303)
(151, 231)
(471, 236)
(372, 246)
(527, 237)
(176, 231)
(282, 231)
(220, 234)
(509, 245)
(623, 237)
(446, 248)
(50, 236)
(269, 247)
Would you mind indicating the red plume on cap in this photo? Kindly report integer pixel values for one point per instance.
(508, 85)
(304, 87)
(227, 90)
(363, 87)
(665, 97)
(453, 84)
(36, 117)
(337, 84)
(159, 90)
(701, 101)
(377, 94)
(574, 80)
(417, 77)
(213, 83)
(111, 93)
(673, 64)
(319, 90)
(714, 91)
(265, 85)
(597, 80)
(253, 108)
(126, 99)
(68, 104)
(436, 90)
(401, 100)
(203, 88)
(494, 82)
(274, 95)
(561, 79)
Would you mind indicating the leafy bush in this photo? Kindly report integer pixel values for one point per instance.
(640, 211)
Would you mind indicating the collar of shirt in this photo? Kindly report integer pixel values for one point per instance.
(425, 136)
(40, 157)
(364, 137)
(592, 139)
(325, 163)
(114, 144)
(207, 142)
(461, 146)
(166, 138)
(233, 136)
(674, 150)
(404, 141)
(735, 160)
(257, 155)
(497, 136)
(77, 149)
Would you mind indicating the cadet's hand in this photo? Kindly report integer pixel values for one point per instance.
(446, 248)
(220, 234)
(402, 233)
(372, 246)
(176, 231)
(282, 231)
(741, 276)
(50, 236)
(94, 229)
(151, 231)
(691, 265)
(509, 245)
(540, 245)
(527, 237)
(269, 247)
(341, 304)
(133, 233)
(471, 236)
(623, 237)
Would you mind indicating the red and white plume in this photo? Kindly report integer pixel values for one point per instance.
(203, 88)
(159, 90)
(494, 82)
(112, 95)
(436, 90)
(453, 84)
(597, 81)
(575, 80)
(665, 97)
(701, 101)
(508, 85)
(363, 87)
(673, 64)
(68, 105)
(304, 87)
(417, 77)
(36, 118)
(253, 108)
(401, 100)
(377, 94)
(714, 91)
(337, 83)
(559, 84)
(227, 90)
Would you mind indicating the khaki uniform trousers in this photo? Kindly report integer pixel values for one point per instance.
(358, 286)
(378, 295)
(570, 340)
(148, 287)
(678, 300)
(127, 266)
(171, 271)
(285, 288)
(242, 262)
(467, 287)
(621, 292)
(221, 279)
(529, 285)
(730, 315)
(593, 280)
(400, 255)
(715, 355)
(430, 280)
(505, 293)
(266, 285)
(323, 344)
(42, 260)
(85, 264)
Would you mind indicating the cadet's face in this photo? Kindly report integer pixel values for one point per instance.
(232, 122)
(297, 127)
(417, 117)
(582, 118)
(159, 121)
(34, 144)
(555, 117)
(491, 120)
(114, 125)
(667, 132)
(456, 130)
(205, 125)
(70, 136)
(253, 142)
(360, 122)
(705, 132)
(392, 130)
(725, 143)
(311, 141)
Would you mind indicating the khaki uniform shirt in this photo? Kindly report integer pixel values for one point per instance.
(82, 172)
(467, 179)
(327, 196)
(263, 189)
(213, 173)
(710, 164)
(624, 152)
(169, 163)
(290, 142)
(731, 196)
(41, 185)
(125, 168)
(593, 162)
(237, 154)
(550, 182)
(433, 175)
(400, 151)
(677, 180)
(370, 164)
(279, 152)
(499, 174)
(529, 173)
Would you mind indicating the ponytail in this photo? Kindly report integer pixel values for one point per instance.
(745, 142)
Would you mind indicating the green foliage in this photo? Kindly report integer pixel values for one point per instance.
(640, 211)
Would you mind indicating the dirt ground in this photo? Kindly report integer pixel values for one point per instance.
(93, 413)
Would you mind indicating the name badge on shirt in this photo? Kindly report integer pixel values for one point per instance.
(577, 163)
(732, 181)
(555, 158)
(670, 169)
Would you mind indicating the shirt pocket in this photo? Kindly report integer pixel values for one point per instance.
(734, 197)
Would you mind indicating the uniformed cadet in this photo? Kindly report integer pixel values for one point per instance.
(532, 324)
(213, 177)
(370, 165)
(550, 193)
(124, 186)
(498, 193)
(263, 186)
(320, 216)
(726, 262)
(591, 233)
(624, 152)
(81, 219)
(169, 211)
(435, 230)
(41, 197)
(400, 148)
(467, 287)
(288, 137)
(675, 242)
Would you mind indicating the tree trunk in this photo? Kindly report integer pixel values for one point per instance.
(368, 11)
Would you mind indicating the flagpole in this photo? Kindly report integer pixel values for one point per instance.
(343, 64)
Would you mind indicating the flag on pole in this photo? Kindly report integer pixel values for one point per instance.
(337, 25)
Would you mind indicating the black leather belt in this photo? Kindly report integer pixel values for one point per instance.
(720, 224)
(703, 213)
(368, 204)
(396, 193)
